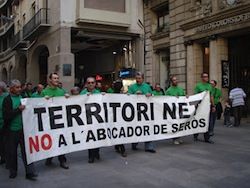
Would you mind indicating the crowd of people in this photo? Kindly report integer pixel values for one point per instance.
(11, 127)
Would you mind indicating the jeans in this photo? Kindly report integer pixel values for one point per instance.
(148, 145)
(212, 118)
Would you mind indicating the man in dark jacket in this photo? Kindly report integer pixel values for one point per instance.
(3, 94)
(12, 113)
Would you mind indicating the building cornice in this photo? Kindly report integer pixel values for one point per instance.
(241, 9)
(160, 35)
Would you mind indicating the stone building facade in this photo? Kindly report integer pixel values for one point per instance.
(200, 36)
(76, 39)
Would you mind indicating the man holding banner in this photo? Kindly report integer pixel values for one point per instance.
(204, 85)
(52, 90)
(141, 88)
(12, 113)
(91, 89)
(175, 91)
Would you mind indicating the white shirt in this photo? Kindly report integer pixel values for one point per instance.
(237, 96)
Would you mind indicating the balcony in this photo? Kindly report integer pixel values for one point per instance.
(5, 28)
(3, 3)
(37, 25)
(106, 16)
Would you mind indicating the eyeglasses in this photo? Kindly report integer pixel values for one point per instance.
(90, 82)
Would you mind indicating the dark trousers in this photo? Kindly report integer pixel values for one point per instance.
(212, 119)
(206, 134)
(237, 112)
(227, 121)
(2, 145)
(94, 153)
(219, 110)
(61, 159)
(120, 148)
(13, 139)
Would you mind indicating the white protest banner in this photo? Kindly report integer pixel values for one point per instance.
(59, 125)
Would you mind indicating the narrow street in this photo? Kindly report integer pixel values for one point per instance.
(223, 164)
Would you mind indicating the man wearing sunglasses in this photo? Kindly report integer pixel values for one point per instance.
(91, 89)
(204, 85)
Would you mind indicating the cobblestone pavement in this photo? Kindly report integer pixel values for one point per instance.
(198, 165)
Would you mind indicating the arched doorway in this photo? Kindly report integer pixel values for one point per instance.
(4, 75)
(39, 65)
(43, 65)
(22, 69)
(11, 73)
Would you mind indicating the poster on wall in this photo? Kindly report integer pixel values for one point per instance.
(225, 74)
(67, 69)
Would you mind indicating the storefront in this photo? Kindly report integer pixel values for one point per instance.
(219, 45)
(128, 77)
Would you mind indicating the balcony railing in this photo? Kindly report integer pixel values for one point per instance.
(5, 53)
(16, 39)
(5, 27)
(164, 28)
(2, 3)
(40, 18)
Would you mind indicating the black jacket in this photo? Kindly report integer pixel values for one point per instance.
(8, 112)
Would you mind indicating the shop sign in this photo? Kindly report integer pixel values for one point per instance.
(127, 73)
(224, 22)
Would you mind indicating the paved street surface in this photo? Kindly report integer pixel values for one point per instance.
(197, 165)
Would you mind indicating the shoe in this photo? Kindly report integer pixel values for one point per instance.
(176, 142)
(64, 165)
(229, 126)
(209, 141)
(2, 161)
(134, 148)
(123, 154)
(150, 150)
(31, 177)
(12, 175)
(181, 141)
(48, 162)
(91, 160)
(98, 156)
(211, 134)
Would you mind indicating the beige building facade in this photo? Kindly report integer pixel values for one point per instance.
(198, 36)
(76, 39)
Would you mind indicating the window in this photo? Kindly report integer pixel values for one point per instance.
(163, 20)
(108, 5)
(24, 19)
(33, 9)
(18, 25)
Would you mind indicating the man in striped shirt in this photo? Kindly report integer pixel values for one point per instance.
(237, 96)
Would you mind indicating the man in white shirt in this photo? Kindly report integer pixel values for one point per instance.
(237, 96)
